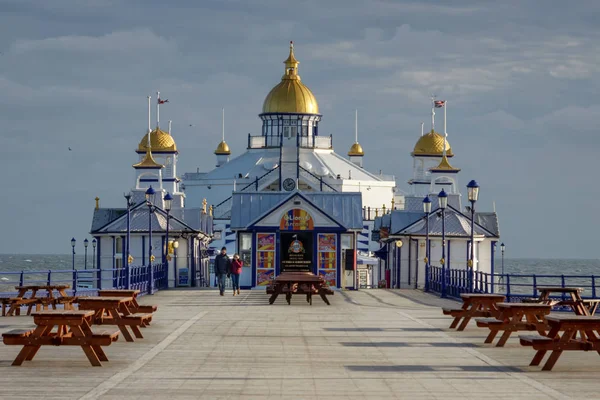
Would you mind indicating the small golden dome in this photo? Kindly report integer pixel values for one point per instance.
(223, 149)
(432, 144)
(148, 162)
(356, 150)
(291, 95)
(444, 166)
(159, 141)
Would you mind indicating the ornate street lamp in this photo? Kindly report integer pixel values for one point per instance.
(73, 243)
(502, 248)
(427, 211)
(94, 252)
(150, 193)
(85, 246)
(128, 259)
(168, 203)
(473, 194)
(443, 203)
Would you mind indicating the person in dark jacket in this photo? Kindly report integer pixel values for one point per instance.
(222, 269)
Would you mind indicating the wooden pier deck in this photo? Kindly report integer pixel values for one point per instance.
(374, 344)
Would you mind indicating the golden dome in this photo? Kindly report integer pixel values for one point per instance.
(291, 95)
(148, 162)
(223, 149)
(356, 150)
(159, 141)
(432, 144)
(444, 166)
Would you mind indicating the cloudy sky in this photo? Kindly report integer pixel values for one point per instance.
(521, 81)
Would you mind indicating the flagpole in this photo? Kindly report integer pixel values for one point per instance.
(445, 133)
(432, 113)
(149, 123)
(157, 109)
(223, 126)
(170, 126)
(356, 126)
(422, 127)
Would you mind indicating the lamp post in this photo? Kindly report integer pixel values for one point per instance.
(168, 202)
(427, 211)
(94, 253)
(502, 248)
(150, 193)
(73, 243)
(85, 246)
(473, 194)
(443, 203)
(127, 259)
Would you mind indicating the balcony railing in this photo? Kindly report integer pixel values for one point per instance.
(304, 141)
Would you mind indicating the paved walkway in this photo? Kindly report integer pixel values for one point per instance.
(368, 344)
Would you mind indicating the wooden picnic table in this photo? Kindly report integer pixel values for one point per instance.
(576, 302)
(515, 317)
(562, 337)
(73, 329)
(135, 307)
(290, 283)
(115, 311)
(474, 305)
(41, 301)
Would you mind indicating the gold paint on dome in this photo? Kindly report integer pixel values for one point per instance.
(291, 95)
(223, 149)
(432, 144)
(356, 150)
(444, 166)
(159, 141)
(148, 162)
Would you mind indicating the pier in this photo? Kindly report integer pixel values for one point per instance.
(367, 344)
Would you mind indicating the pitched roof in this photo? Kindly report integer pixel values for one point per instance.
(343, 208)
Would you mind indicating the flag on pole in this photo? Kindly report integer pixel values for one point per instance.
(439, 103)
(160, 101)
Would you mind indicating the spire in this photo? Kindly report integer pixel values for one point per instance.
(291, 65)
(422, 127)
(432, 113)
(157, 110)
(356, 149)
(148, 161)
(170, 126)
(223, 148)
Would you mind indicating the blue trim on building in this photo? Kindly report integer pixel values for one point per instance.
(98, 258)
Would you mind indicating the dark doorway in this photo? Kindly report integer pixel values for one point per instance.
(296, 251)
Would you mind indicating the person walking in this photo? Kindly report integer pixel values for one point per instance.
(222, 269)
(236, 271)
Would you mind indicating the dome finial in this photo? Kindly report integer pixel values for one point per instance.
(223, 148)
(356, 149)
(291, 65)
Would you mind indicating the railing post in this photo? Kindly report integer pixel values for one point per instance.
(593, 286)
(562, 282)
(128, 275)
(22, 279)
(443, 294)
(534, 285)
(150, 277)
(508, 288)
(470, 279)
(427, 276)
(49, 277)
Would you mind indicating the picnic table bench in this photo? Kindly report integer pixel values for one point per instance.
(135, 306)
(116, 311)
(562, 337)
(38, 301)
(576, 302)
(290, 283)
(73, 329)
(515, 317)
(474, 305)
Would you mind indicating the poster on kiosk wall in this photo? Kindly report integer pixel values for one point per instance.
(327, 249)
(265, 258)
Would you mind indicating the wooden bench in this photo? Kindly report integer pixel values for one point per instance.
(135, 306)
(137, 318)
(73, 330)
(116, 311)
(561, 337)
(474, 305)
(303, 283)
(515, 317)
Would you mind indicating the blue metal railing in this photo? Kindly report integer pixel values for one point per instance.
(452, 282)
(89, 281)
